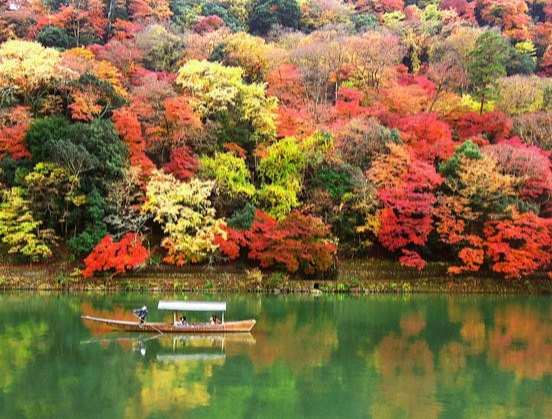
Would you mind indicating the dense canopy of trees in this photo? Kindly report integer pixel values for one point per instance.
(280, 132)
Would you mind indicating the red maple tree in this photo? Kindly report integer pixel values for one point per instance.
(183, 164)
(519, 246)
(118, 256)
(298, 242)
(12, 134)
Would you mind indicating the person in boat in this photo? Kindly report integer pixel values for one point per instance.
(182, 322)
(141, 313)
(214, 320)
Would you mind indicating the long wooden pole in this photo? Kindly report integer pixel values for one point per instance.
(148, 324)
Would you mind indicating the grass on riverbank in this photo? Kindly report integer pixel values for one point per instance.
(356, 276)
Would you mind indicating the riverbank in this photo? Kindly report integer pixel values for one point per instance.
(366, 276)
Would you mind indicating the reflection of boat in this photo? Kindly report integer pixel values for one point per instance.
(183, 340)
(182, 347)
(202, 347)
(177, 327)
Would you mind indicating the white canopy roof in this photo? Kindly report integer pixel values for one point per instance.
(176, 305)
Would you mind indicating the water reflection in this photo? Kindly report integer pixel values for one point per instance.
(178, 347)
(329, 357)
(406, 364)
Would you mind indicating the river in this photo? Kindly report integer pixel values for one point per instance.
(335, 356)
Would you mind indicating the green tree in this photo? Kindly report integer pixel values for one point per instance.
(232, 16)
(242, 219)
(162, 49)
(53, 37)
(281, 174)
(523, 59)
(88, 227)
(486, 64)
(267, 13)
(231, 176)
(94, 155)
(92, 152)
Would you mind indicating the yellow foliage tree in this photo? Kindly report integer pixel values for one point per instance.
(187, 217)
(221, 89)
(27, 69)
(248, 52)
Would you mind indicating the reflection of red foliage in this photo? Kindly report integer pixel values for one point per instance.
(412, 324)
(521, 342)
(98, 328)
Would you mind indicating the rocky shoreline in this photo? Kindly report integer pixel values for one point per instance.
(360, 277)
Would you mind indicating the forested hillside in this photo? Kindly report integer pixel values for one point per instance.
(285, 133)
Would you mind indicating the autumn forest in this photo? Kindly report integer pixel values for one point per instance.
(285, 134)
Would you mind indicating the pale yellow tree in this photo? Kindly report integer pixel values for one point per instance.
(372, 56)
(186, 215)
(248, 52)
(522, 94)
(27, 69)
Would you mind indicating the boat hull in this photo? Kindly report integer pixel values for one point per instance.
(131, 326)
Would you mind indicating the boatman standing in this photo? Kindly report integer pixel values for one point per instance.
(141, 313)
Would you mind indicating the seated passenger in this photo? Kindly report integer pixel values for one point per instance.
(214, 320)
(182, 322)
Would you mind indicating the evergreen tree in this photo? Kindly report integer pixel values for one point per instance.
(486, 64)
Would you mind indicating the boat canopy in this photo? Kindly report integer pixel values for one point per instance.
(176, 305)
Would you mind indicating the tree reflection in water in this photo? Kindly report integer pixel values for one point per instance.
(332, 356)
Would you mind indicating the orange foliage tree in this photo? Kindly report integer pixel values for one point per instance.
(520, 245)
(129, 128)
(118, 256)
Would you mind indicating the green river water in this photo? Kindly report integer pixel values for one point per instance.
(414, 356)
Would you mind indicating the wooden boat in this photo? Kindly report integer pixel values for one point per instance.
(174, 327)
